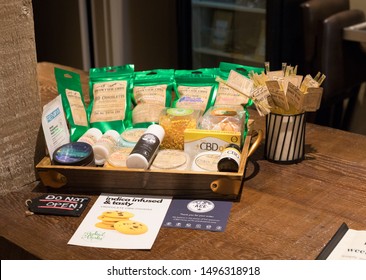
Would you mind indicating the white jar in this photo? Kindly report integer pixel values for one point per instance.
(146, 147)
(105, 146)
(91, 136)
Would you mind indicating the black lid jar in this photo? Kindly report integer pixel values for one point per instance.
(74, 154)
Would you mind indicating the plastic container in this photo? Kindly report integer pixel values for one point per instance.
(146, 147)
(171, 159)
(105, 146)
(129, 137)
(206, 161)
(74, 154)
(175, 121)
(118, 158)
(229, 159)
(91, 136)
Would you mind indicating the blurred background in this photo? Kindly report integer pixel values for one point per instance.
(179, 34)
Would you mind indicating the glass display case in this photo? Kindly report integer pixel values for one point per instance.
(228, 30)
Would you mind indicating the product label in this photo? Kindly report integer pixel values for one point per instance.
(109, 101)
(231, 153)
(77, 107)
(277, 94)
(90, 139)
(227, 95)
(295, 97)
(107, 141)
(54, 125)
(193, 97)
(147, 146)
(240, 83)
(150, 94)
(179, 112)
(145, 112)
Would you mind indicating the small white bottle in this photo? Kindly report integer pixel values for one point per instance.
(91, 136)
(146, 147)
(105, 146)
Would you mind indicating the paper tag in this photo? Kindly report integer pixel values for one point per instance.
(295, 97)
(294, 79)
(308, 82)
(275, 75)
(312, 99)
(277, 94)
(240, 83)
(55, 204)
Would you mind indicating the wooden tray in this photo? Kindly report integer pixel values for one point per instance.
(180, 184)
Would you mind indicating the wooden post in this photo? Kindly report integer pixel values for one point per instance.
(20, 109)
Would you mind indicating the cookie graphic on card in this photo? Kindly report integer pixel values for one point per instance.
(117, 214)
(104, 225)
(130, 227)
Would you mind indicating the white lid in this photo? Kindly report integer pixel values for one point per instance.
(112, 133)
(91, 136)
(137, 161)
(100, 154)
(95, 131)
(157, 130)
(99, 161)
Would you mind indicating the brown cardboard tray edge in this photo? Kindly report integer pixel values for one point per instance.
(181, 184)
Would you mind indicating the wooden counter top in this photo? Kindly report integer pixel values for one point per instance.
(286, 211)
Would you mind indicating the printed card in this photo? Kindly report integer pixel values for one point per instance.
(122, 222)
(198, 214)
(277, 94)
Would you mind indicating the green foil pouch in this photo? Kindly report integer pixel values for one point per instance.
(195, 89)
(110, 97)
(69, 87)
(225, 95)
(228, 96)
(152, 92)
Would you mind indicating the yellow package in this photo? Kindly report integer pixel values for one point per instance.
(175, 121)
(201, 140)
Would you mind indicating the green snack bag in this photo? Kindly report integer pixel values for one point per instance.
(110, 97)
(228, 96)
(195, 89)
(226, 67)
(152, 92)
(225, 94)
(69, 87)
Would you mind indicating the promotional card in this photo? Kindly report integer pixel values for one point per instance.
(122, 222)
(198, 214)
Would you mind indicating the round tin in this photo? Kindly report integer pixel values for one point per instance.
(118, 158)
(206, 161)
(129, 137)
(75, 154)
(171, 159)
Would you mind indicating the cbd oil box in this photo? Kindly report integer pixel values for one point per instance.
(200, 140)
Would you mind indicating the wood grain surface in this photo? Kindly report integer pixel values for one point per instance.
(285, 212)
(20, 111)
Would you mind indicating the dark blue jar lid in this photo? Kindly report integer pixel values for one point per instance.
(75, 153)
